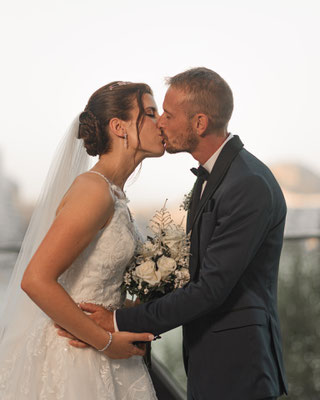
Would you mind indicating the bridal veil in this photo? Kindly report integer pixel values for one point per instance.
(18, 313)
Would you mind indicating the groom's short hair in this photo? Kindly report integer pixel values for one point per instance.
(207, 93)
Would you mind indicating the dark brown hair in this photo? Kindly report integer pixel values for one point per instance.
(207, 93)
(115, 100)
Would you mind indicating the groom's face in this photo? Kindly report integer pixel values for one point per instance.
(175, 124)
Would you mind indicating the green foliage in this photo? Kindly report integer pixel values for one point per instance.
(299, 308)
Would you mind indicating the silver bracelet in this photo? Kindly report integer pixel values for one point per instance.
(108, 344)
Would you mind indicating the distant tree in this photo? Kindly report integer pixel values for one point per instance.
(299, 307)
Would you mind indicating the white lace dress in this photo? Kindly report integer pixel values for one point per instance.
(47, 368)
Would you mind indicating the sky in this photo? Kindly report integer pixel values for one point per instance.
(55, 54)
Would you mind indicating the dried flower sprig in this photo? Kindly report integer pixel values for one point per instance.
(161, 263)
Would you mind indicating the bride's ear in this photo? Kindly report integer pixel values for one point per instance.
(117, 127)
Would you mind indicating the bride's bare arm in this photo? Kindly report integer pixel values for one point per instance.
(87, 207)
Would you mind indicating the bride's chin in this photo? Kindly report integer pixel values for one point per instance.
(158, 153)
(162, 150)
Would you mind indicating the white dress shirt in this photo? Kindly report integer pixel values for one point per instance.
(208, 165)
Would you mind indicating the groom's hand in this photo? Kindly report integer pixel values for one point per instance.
(99, 315)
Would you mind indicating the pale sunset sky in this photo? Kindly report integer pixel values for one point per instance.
(54, 54)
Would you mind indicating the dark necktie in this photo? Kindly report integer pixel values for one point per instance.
(202, 175)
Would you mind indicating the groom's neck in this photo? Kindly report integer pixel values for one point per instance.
(207, 146)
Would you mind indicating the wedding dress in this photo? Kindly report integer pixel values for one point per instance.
(45, 367)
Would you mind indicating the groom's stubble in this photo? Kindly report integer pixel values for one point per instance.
(183, 141)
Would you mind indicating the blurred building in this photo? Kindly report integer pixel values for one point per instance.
(301, 188)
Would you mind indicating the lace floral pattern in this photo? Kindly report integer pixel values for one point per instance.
(43, 366)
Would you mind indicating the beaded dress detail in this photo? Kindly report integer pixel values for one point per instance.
(45, 366)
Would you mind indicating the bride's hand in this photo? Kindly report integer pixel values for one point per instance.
(122, 344)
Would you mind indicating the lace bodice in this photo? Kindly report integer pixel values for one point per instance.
(97, 273)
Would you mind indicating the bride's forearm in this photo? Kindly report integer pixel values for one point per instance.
(58, 305)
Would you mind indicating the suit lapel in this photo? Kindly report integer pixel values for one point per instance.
(189, 214)
(227, 155)
(219, 171)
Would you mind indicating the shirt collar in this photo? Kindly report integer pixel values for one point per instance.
(209, 164)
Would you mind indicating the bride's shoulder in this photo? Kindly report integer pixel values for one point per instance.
(89, 193)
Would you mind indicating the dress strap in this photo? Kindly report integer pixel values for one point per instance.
(102, 176)
(115, 188)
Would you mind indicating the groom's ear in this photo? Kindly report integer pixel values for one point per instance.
(201, 122)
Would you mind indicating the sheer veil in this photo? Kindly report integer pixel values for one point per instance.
(18, 313)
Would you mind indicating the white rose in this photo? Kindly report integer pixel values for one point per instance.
(148, 249)
(166, 266)
(147, 272)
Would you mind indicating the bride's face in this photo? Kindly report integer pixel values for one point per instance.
(149, 142)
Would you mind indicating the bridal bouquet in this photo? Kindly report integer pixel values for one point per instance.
(161, 262)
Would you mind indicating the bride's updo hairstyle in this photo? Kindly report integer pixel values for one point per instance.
(115, 100)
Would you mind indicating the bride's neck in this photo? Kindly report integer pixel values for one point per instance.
(117, 166)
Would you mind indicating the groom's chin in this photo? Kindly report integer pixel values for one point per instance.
(172, 150)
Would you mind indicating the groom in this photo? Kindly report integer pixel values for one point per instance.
(232, 343)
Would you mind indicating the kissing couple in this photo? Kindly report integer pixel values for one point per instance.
(82, 237)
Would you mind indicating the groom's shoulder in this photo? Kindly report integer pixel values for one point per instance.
(246, 165)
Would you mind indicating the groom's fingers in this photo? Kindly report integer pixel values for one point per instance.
(141, 337)
(64, 333)
(78, 344)
(138, 346)
(89, 307)
(74, 341)
(101, 316)
(136, 351)
(138, 339)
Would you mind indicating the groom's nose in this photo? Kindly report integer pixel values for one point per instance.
(160, 122)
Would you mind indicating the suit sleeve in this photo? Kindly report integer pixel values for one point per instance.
(244, 219)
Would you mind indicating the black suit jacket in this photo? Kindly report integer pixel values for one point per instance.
(232, 341)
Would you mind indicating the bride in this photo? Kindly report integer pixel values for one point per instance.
(79, 242)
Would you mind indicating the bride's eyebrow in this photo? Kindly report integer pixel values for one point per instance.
(151, 108)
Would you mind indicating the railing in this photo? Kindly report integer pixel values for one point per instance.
(167, 388)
